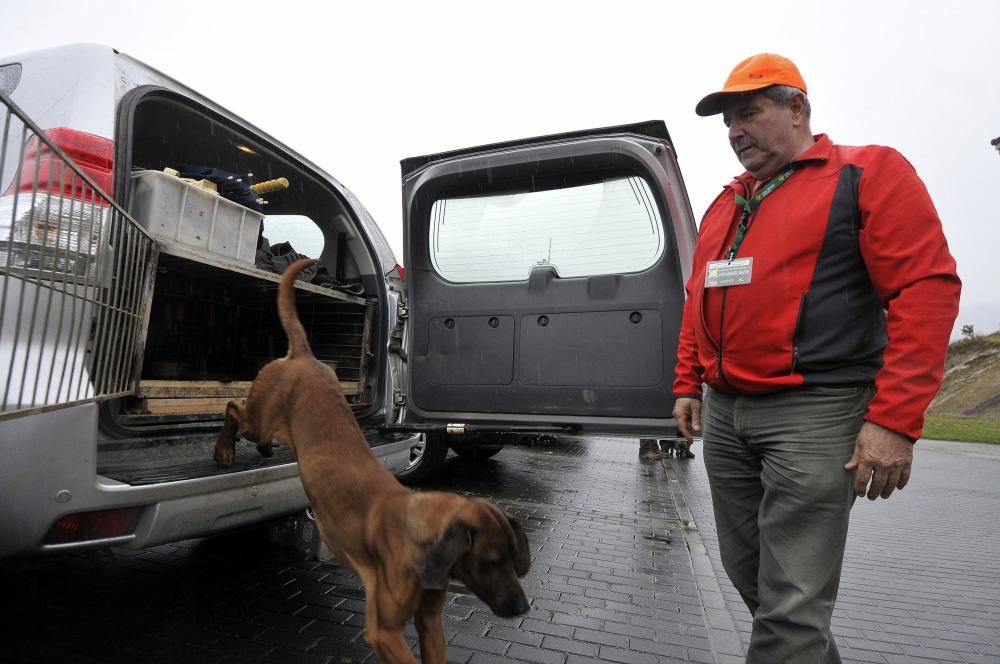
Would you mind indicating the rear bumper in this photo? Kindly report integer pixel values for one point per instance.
(49, 470)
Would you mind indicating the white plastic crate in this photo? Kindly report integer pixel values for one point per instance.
(172, 209)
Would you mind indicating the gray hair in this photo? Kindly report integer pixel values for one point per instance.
(782, 94)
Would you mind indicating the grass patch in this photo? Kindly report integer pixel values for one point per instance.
(969, 429)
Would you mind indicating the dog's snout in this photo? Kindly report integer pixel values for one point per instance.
(515, 607)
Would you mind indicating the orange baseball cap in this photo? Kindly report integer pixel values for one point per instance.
(755, 73)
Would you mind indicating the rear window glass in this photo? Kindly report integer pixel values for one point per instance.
(609, 227)
(300, 232)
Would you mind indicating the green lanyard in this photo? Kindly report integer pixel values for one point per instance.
(749, 205)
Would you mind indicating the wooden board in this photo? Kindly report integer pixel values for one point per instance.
(163, 389)
(200, 396)
(179, 406)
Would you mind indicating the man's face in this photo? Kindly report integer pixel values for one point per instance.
(761, 133)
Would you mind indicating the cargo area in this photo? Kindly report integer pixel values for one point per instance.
(212, 319)
(212, 329)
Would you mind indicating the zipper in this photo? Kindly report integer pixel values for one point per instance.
(722, 310)
(722, 337)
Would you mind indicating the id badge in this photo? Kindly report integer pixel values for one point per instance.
(736, 272)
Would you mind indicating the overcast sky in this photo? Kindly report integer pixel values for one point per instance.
(356, 87)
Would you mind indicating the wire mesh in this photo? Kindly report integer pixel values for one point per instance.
(75, 271)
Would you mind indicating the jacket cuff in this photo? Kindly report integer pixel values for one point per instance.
(910, 434)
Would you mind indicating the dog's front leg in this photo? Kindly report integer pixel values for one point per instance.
(430, 629)
(391, 647)
(388, 642)
(383, 632)
(225, 444)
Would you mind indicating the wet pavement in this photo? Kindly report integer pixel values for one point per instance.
(625, 570)
(921, 580)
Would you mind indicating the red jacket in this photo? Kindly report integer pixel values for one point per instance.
(852, 282)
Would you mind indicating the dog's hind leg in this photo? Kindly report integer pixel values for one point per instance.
(225, 444)
(430, 630)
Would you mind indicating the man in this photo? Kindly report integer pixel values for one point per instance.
(819, 309)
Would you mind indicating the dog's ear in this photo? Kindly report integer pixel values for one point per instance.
(442, 555)
(520, 549)
(522, 553)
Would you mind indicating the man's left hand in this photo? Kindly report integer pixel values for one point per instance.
(882, 457)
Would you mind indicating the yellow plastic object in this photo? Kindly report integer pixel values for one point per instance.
(268, 186)
(207, 185)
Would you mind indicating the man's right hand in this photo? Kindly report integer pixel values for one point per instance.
(687, 412)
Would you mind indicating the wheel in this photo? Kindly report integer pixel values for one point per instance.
(478, 446)
(477, 452)
(426, 457)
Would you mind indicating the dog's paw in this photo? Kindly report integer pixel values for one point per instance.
(224, 457)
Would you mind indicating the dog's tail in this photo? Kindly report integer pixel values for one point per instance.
(298, 344)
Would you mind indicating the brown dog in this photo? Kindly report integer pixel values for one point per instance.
(403, 545)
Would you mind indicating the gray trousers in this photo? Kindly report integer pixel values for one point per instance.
(782, 501)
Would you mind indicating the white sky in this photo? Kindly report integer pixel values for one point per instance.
(356, 87)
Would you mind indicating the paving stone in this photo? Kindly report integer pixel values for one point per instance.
(486, 658)
(240, 649)
(515, 635)
(579, 659)
(573, 646)
(547, 628)
(626, 656)
(458, 655)
(356, 651)
(481, 644)
(979, 659)
(532, 654)
(600, 637)
(657, 648)
(576, 621)
(291, 656)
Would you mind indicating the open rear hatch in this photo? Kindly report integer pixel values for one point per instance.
(546, 282)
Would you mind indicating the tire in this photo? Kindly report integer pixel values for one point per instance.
(477, 447)
(425, 459)
(477, 452)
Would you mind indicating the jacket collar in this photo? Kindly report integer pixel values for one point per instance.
(819, 152)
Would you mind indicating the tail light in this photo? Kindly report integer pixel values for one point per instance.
(44, 170)
(400, 272)
(50, 218)
(87, 526)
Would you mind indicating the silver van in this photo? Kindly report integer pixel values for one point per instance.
(143, 229)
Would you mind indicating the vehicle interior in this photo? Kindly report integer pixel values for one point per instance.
(213, 321)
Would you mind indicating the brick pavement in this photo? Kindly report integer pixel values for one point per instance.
(921, 579)
(626, 570)
(612, 581)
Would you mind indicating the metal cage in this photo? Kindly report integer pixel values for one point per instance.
(75, 270)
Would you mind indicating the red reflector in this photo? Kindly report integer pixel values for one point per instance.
(402, 272)
(85, 526)
(46, 171)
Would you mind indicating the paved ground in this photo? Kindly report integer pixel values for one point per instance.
(921, 578)
(611, 581)
(625, 570)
